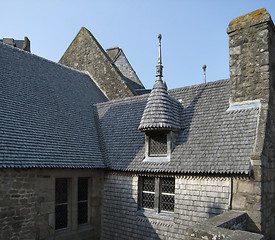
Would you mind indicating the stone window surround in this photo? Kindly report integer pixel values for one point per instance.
(156, 212)
(73, 205)
(160, 158)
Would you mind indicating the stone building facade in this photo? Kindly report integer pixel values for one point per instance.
(84, 156)
(28, 204)
(122, 219)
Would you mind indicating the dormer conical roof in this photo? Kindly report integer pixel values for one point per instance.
(162, 112)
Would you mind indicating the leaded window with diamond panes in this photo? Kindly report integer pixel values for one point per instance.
(82, 205)
(157, 193)
(158, 144)
(61, 203)
(148, 192)
(167, 194)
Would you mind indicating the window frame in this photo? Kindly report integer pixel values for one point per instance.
(153, 141)
(157, 157)
(72, 199)
(166, 193)
(67, 203)
(157, 195)
(83, 200)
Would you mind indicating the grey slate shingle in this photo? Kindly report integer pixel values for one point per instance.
(47, 120)
(213, 140)
(161, 111)
(46, 114)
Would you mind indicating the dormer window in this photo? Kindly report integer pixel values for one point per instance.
(161, 117)
(158, 144)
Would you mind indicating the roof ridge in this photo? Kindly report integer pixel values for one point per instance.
(196, 86)
(186, 88)
(42, 58)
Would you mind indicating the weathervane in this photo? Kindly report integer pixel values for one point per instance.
(159, 66)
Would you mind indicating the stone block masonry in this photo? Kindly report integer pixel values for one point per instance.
(86, 54)
(252, 72)
(196, 199)
(27, 204)
(18, 205)
(249, 56)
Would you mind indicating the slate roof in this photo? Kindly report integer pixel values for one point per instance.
(48, 119)
(46, 114)
(162, 112)
(213, 140)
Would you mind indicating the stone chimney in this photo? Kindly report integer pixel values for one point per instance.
(251, 56)
(27, 45)
(22, 44)
(252, 73)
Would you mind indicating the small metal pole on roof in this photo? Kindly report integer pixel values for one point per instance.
(204, 75)
(159, 66)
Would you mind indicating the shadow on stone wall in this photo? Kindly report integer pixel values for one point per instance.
(214, 210)
(121, 217)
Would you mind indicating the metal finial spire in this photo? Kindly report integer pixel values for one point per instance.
(159, 66)
(204, 75)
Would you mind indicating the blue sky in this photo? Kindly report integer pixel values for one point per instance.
(194, 32)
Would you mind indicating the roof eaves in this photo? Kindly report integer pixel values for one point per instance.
(182, 171)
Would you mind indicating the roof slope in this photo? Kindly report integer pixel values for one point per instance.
(46, 113)
(213, 140)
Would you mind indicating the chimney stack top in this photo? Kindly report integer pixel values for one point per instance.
(248, 20)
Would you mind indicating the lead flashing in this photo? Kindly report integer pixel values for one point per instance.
(244, 105)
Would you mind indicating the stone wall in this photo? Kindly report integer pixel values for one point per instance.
(229, 225)
(249, 56)
(252, 72)
(86, 54)
(268, 157)
(27, 204)
(196, 199)
(18, 205)
(246, 196)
